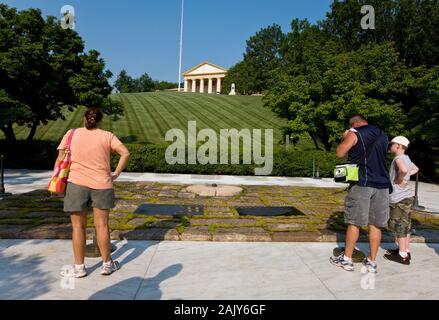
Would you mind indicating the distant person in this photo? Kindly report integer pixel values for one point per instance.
(367, 202)
(90, 183)
(401, 200)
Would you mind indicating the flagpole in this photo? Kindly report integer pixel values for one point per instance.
(181, 44)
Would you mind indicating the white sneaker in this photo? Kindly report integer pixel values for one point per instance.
(339, 261)
(73, 272)
(109, 269)
(370, 266)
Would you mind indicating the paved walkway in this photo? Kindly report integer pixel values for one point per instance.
(200, 270)
(21, 181)
(18, 180)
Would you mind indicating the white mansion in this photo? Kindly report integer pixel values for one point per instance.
(204, 78)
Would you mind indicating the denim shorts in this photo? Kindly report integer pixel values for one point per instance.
(367, 206)
(78, 198)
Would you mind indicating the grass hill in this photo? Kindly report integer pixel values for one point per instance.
(148, 116)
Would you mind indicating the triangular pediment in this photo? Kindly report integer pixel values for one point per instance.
(205, 68)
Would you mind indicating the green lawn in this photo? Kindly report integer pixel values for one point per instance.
(148, 116)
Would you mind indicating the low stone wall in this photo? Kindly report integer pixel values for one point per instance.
(36, 215)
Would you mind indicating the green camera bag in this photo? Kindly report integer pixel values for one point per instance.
(346, 173)
(350, 173)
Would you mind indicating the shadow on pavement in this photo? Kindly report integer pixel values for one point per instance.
(25, 177)
(135, 252)
(22, 277)
(434, 246)
(336, 224)
(147, 289)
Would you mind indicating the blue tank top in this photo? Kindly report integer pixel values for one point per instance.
(372, 170)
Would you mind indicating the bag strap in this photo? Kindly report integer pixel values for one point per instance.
(69, 140)
(369, 147)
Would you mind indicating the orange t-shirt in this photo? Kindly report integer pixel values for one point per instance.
(90, 155)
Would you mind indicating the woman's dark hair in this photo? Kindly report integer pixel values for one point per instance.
(92, 117)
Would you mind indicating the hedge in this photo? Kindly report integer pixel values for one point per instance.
(286, 162)
(289, 162)
(151, 158)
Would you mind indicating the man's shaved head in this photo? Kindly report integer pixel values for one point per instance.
(358, 118)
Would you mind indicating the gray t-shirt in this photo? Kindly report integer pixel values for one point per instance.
(399, 193)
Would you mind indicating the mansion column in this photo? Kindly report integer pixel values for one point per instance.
(186, 85)
(218, 85)
(210, 85)
(194, 85)
(202, 86)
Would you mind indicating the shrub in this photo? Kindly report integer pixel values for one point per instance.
(286, 162)
(291, 161)
(29, 155)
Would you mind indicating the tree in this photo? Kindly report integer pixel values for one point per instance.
(240, 75)
(44, 68)
(369, 81)
(145, 83)
(124, 83)
(306, 49)
(163, 85)
(333, 69)
(411, 24)
(263, 55)
(423, 105)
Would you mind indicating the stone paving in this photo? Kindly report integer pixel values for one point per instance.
(172, 270)
(319, 216)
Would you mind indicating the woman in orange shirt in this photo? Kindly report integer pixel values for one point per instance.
(90, 183)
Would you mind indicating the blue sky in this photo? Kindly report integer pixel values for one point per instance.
(143, 35)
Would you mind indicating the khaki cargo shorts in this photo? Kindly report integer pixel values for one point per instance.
(367, 206)
(78, 198)
(400, 221)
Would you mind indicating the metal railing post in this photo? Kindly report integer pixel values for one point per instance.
(313, 167)
(92, 249)
(416, 205)
(2, 185)
(2, 179)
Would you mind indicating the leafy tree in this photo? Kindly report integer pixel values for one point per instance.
(124, 83)
(44, 68)
(263, 55)
(306, 49)
(240, 74)
(411, 24)
(422, 106)
(163, 85)
(145, 83)
(320, 102)
(334, 68)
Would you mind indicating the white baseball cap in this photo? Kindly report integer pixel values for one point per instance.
(402, 141)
